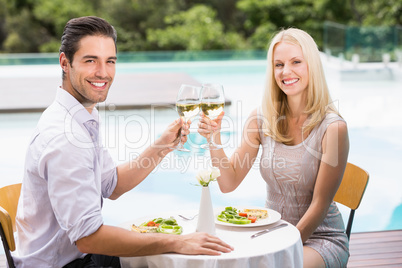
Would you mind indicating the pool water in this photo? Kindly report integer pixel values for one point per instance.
(371, 108)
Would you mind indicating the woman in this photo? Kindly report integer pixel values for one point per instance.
(304, 148)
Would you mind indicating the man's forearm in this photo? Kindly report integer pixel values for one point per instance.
(132, 173)
(115, 241)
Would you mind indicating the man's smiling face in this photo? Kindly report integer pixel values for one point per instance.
(90, 75)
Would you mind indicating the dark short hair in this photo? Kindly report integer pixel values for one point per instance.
(78, 28)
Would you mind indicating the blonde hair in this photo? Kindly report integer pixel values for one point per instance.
(274, 102)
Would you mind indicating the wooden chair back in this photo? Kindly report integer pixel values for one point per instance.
(351, 190)
(9, 196)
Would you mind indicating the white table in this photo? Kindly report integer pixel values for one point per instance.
(279, 248)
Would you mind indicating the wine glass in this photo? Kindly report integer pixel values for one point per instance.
(212, 103)
(187, 106)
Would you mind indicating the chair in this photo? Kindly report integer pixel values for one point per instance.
(351, 190)
(9, 196)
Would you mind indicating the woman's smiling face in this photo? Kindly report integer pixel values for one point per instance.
(290, 69)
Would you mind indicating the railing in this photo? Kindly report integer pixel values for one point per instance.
(364, 44)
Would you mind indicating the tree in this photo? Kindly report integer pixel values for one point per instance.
(195, 29)
(36, 25)
(133, 18)
(53, 16)
(23, 34)
(3, 12)
(265, 17)
(376, 13)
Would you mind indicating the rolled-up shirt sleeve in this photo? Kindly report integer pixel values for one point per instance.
(109, 174)
(74, 186)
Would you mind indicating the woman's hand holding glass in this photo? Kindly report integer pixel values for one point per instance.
(212, 102)
(208, 127)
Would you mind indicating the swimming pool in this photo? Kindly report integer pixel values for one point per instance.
(370, 106)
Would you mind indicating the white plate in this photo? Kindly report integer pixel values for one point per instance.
(188, 226)
(273, 216)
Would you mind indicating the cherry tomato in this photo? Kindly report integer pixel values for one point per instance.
(151, 223)
(243, 214)
(252, 219)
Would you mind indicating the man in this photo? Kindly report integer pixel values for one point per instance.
(68, 173)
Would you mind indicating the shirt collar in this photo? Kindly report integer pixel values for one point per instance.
(75, 108)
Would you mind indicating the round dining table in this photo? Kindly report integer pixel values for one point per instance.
(281, 247)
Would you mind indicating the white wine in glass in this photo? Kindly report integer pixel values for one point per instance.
(213, 109)
(187, 106)
(212, 103)
(187, 109)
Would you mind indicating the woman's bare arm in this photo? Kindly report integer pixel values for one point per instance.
(235, 169)
(335, 146)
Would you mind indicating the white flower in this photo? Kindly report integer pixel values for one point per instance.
(215, 173)
(204, 177)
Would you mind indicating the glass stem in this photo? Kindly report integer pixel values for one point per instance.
(211, 138)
